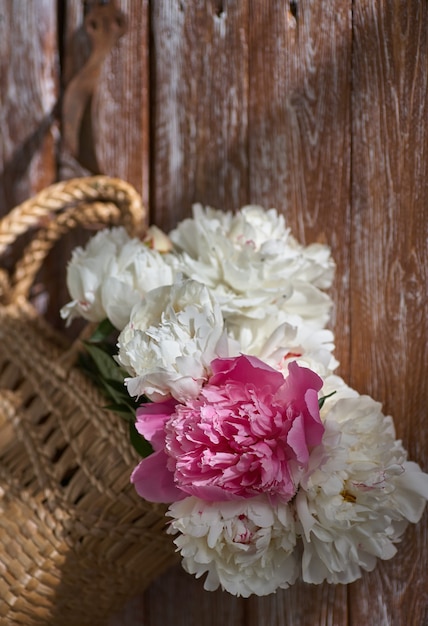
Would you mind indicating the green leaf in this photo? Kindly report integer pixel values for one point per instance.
(99, 364)
(106, 365)
(142, 446)
(324, 398)
(111, 392)
(118, 386)
(102, 332)
(89, 368)
(123, 410)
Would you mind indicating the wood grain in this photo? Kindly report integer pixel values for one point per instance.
(28, 94)
(174, 599)
(119, 124)
(299, 135)
(200, 100)
(321, 605)
(389, 266)
(120, 107)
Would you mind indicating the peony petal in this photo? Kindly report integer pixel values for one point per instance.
(296, 439)
(210, 493)
(245, 369)
(151, 420)
(154, 482)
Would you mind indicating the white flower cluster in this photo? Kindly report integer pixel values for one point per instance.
(173, 336)
(246, 546)
(354, 504)
(254, 266)
(111, 274)
(219, 285)
(262, 295)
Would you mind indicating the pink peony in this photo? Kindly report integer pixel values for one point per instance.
(249, 431)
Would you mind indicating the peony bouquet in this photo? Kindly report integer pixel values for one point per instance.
(273, 467)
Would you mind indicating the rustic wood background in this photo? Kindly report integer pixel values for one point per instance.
(317, 108)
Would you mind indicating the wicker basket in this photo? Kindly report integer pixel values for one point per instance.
(75, 540)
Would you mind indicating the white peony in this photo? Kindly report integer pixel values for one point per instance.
(359, 494)
(250, 261)
(170, 341)
(110, 275)
(246, 546)
(281, 338)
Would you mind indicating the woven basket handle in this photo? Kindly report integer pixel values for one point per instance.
(59, 208)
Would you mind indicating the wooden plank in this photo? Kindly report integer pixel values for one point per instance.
(299, 162)
(389, 267)
(120, 118)
(120, 111)
(29, 90)
(123, 103)
(28, 94)
(132, 614)
(200, 99)
(323, 605)
(299, 137)
(179, 599)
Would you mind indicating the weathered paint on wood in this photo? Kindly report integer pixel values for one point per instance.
(299, 129)
(200, 107)
(389, 279)
(191, 605)
(28, 95)
(120, 106)
(319, 605)
(29, 92)
(319, 109)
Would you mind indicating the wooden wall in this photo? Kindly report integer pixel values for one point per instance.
(317, 108)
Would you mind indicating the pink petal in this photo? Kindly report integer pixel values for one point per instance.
(244, 369)
(210, 493)
(151, 420)
(154, 482)
(315, 431)
(296, 439)
(300, 379)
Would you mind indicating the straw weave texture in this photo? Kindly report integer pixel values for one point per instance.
(75, 540)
